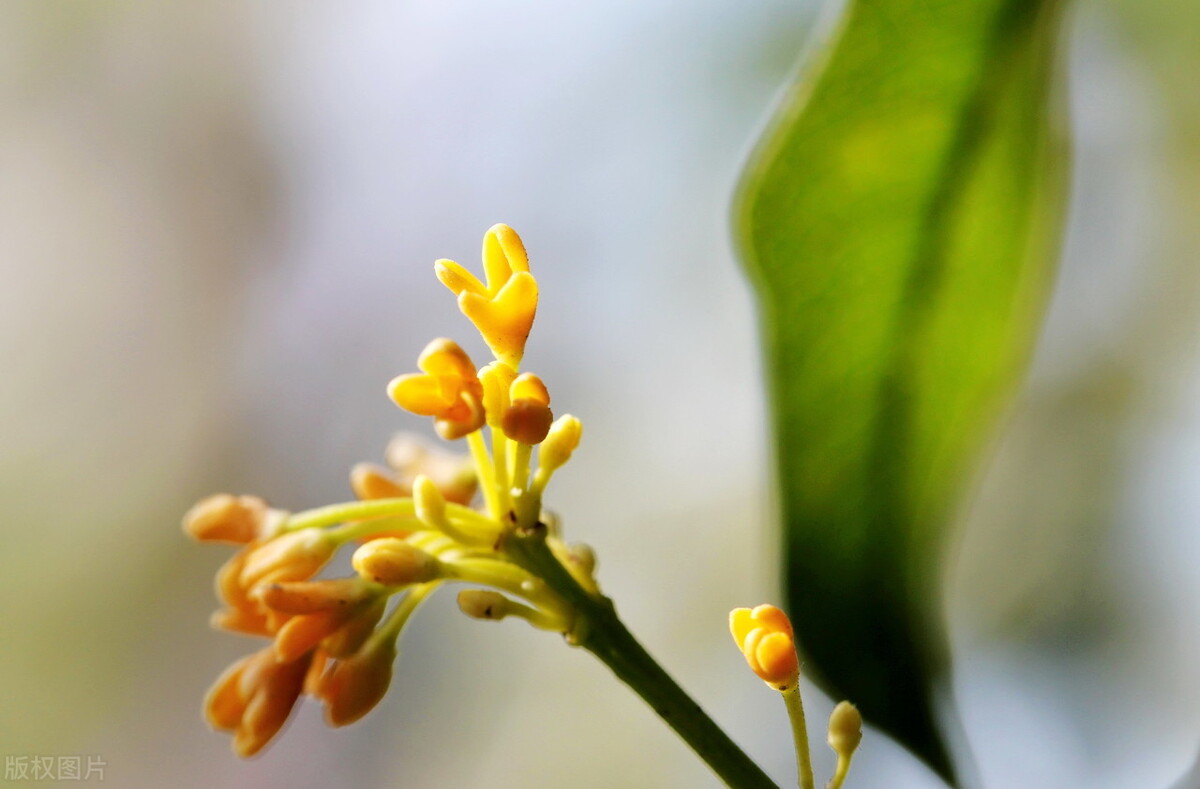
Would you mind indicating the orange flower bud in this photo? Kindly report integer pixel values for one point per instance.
(320, 609)
(294, 556)
(351, 636)
(243, 615)
(232, 519)
(241, 620)
(351, 687)
(447, 390)
(254, 697)
(310, 597)
(394, 562)
(302, 633)
(765, 637)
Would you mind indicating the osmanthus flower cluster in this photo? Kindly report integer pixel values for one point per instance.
(415, 526)
(412, 528)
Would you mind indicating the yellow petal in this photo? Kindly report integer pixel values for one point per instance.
(457, 278)
(503, 255)
(421, 394)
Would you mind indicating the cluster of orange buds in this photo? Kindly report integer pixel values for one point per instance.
(413, 525)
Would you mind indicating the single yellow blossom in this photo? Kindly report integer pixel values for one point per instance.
(504, 308)
(447, 389)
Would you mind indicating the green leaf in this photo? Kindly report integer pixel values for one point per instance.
(899, 221)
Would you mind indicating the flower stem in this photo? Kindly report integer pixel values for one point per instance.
(598, 630)
(795, 708)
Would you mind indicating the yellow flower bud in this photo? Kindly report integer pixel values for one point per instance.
(394, 562)
(765, 637)
(446, 389)
(232, 519)
(845, 729)
(559, 444)
(429, 502)
(483, 604)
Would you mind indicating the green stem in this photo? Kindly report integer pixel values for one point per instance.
(795, 708)
(598, 629)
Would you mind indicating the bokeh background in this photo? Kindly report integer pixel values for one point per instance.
(217, 224)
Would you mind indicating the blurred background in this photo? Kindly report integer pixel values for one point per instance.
(217, 225)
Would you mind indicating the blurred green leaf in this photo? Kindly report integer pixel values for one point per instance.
(899, 221)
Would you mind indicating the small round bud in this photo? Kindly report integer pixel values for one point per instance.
(527, 421)
(560, 443)
(393, 562)
(483, 604)
(845, 728)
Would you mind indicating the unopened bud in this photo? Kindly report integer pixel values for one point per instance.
(483, 604)
(527, 421)
(393, 562)
(302, 633)
(352, 635)
(254, 698)
(845, 728)
(310, 597)
(232, 519)
(560, 442)
(429, 502)
(764, 635)
(295, 556)
(351, 687)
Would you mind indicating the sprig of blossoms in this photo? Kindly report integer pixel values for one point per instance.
(412, 527)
